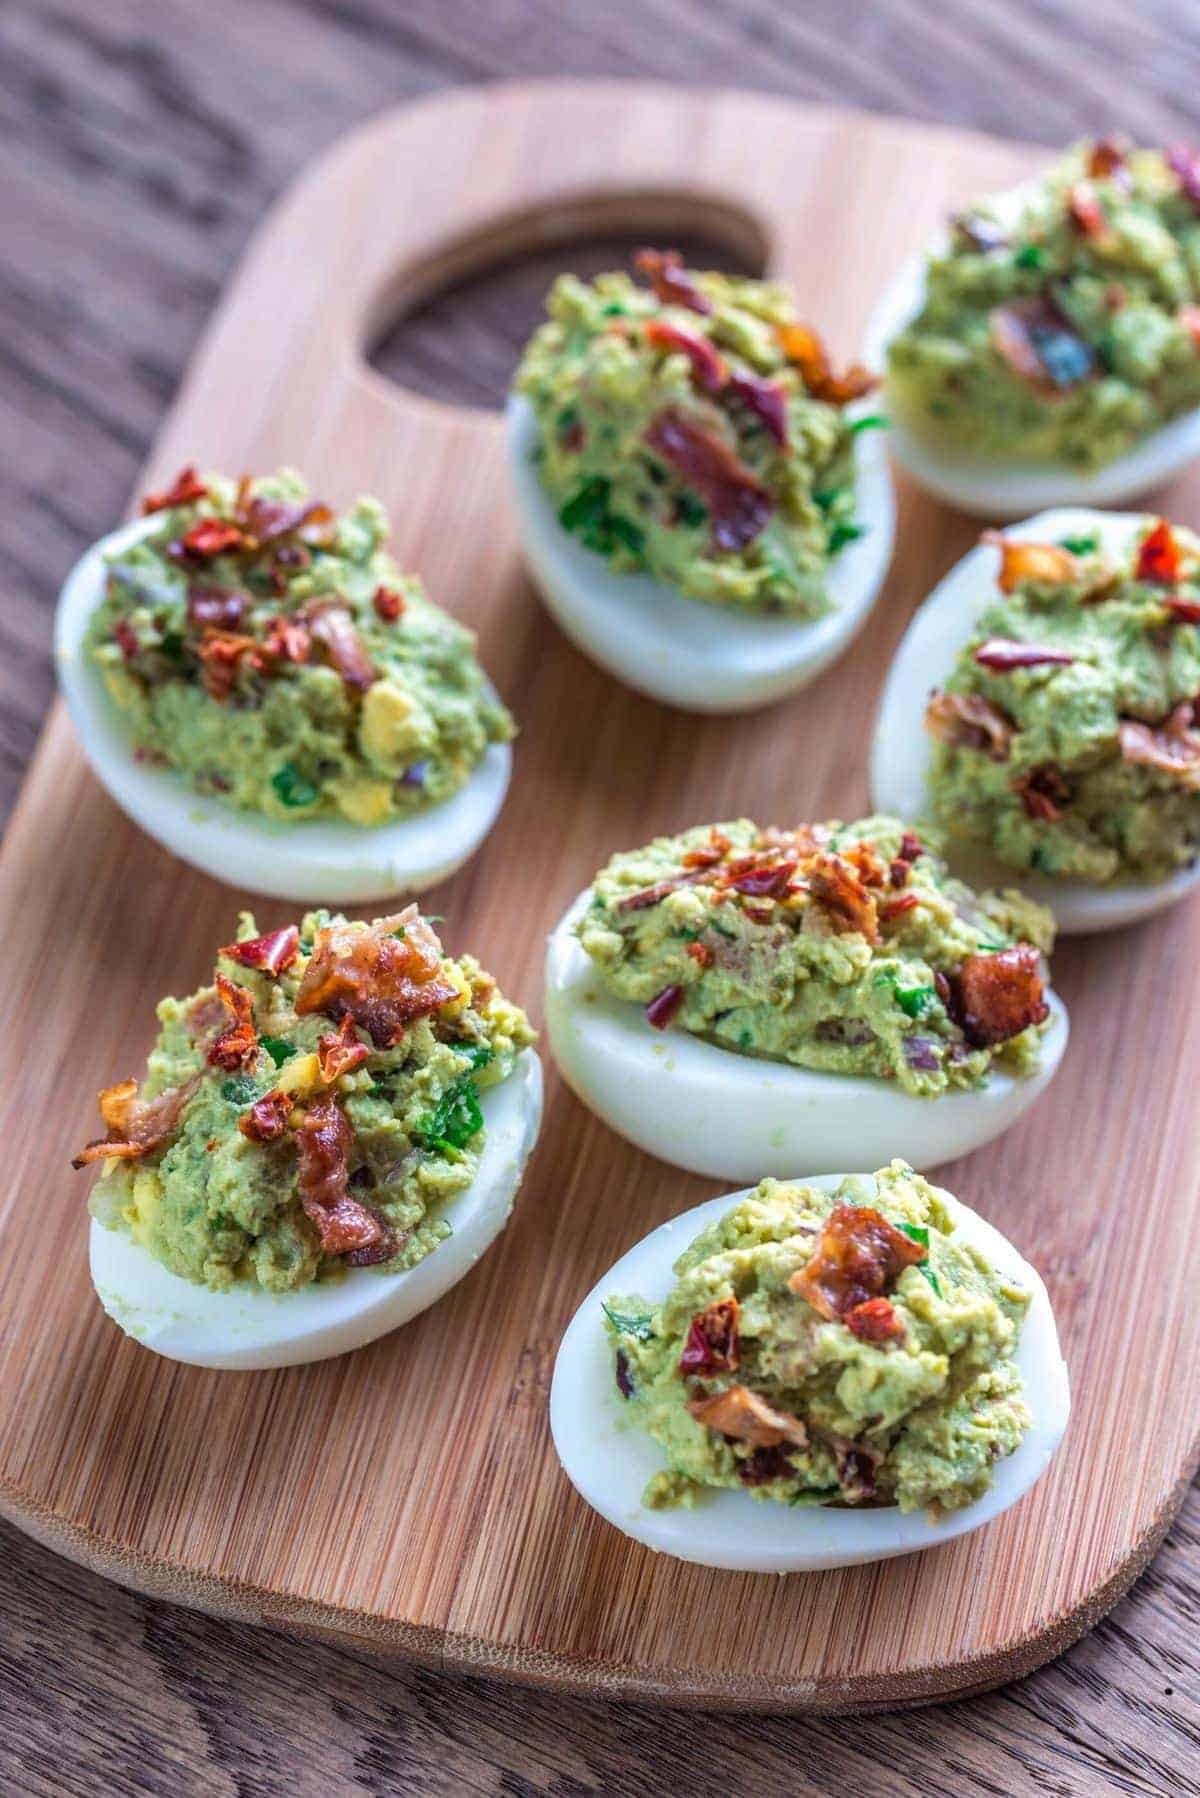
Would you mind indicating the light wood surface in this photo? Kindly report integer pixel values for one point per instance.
(408, 1496)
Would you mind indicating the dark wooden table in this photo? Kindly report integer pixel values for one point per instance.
(139, 147)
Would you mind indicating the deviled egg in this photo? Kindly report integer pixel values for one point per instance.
(1041, 709)
(261, 689)
(739, 1001)
(1047, 351)
(328, 1138)
(810, 1375)
(707, 513)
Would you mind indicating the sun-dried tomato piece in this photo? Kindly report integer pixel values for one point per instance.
(1040, 346)
(745, 1417)
(766, 399)
(210, 537)
(709, 367)
(1044, 793)
(388, 604)
(663, 1007)
(1184, 162)
(968, 721)
(272, 953)
(1172, 748)
(136, 1127)
(858, 1256)
(267, 1118)
(334, 628)
(338, 1051)
(997, 996)
(1048, 563)
(237, 1045)
(185, 490)
(1159, 556)
(803, 347)
(384, 976)
(670, 280)
(1085, 212)
(712, 1340)
(843, 895)
(875, 1320)
(738, 504)
(324, 1140)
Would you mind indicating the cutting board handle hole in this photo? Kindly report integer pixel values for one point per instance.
(452, 325)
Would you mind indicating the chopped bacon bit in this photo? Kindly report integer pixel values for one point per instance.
(1189, 318)
(1048, 562)
(967, 721)
(267, 1118)
(1040, 346)
(340, 1050)
(859, 1254)
(757, 877)
(1172, 748)
(896, 908)
(382, 980)
(663, 1006)
(1159, 556)
(712, 1340)
(997, 996)
(185, 490)
(738, 504)
(266, 520)
(136, 1127)
(324, 1140)
(210, 537)
(388, 604)
(700, 952)
(803, 346)
(910, 848)
(836, 887)
(1184, 162)
(1187, 611)
(857, 1463)
(708, 365)
(272, 953)
(287, 640)
(1003, 654)
(1043, 792)
(875, 1320)
(375, 1252)
(670, 280)
(648, 896)
(743, 1415)
(218, 608)
(237, 1045)
(898, 871)
(1085, 211)
(763, 1466)
(126, 639)
(1106, 160)
(333, 627)
(866, 863)
(222, 654)
(766, 399)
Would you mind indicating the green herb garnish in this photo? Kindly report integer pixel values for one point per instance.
(1080, 546)
(874, 421)
(914, 1001)
(691, 512)
(478, 1054)
(844, 531)
(454, 1120)
(1030, 255)
(920, 1234)
(172, 646)
(637, 1325)
(277, 1049)
(292, 788)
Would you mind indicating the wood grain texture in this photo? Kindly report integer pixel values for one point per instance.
(407, 1497)
(135, 160)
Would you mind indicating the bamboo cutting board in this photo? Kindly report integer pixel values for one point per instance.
(407, 1497)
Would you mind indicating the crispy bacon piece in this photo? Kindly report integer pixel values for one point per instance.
(286, 640)
(1172, 748)
(338, 1051)
(866, 863)
(803, 346)
(1106, 161)
(237, 1045)
(899, 867)
(766, 399)
(997, 996)
(875, 1320)
(136, 1127)
(968, 721)
(382, 980)
(1184, 162)
(222, 654)
(857, 1464)
(842, 893)
(666, 274)
(709, 854)
(185, 490)
(1046, 562)
(1159, 556)
(700, 952)
(708, 366)
(210, 537)
(333, 627)
(759, 877)
(267, 1118)
(858, 1256)
(217, 608)
(739, 506)
(126, 639)
(1003, 654)
(1186, 611)
(324, 1140)
(763, 1466)
(1039, 345)
(896, 908)
(272, 953)
(375, 1252)
(1044, 793)
(743, 1415)
(647, 896)
(389, 605)
(663, 1006)
(1085, 211)
(267, 520)
(712, 1340)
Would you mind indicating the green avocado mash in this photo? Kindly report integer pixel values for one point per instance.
(1065, 734)
(1060, 325)
(768, 1368)
(842, 947)
(274, 655)
(695, 430)
(295, 1122)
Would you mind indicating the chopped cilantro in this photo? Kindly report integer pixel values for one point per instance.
(454, 1120)
(292, 788)
(478, 1054)
(691, 512)
(586, 505)
(826, 496)
(920, 1234)
(279, 1050)
(1081, 546)
(745, 1038)
(843, 531)
(914, 1001)
(1030, 255)
(239, 1089)
(625, 1323)
(874, 421)
(631, 535)
(172, 646)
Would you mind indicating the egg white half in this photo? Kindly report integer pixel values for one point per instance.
(902, 752)
(997, 489)
(609, 1460)
(737, 1117)
(700, 657)
(315, 861)
(249, 1328)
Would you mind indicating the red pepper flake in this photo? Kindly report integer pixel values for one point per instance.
(388, 604)
(210, 537)
(267, 1118)
(739, 505)
(701, 953)
(1159, 556)
(803, 346)
(272, 953)
(671, 282)
(663, 1006)
(338, 1051)
(766, 399)
(895, 908)
(1184, 162)
(185, 490)
(712, 1340)
(237, 1045)
(708, 365)
(1003, 654)
(126, 639)
(875, 1320)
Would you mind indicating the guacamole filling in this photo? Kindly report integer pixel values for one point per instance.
(693, 429)
(841, 947)
(1061, 323)
(273, 654)
(315, 1108)
(821, 1348)
(1065, 737)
